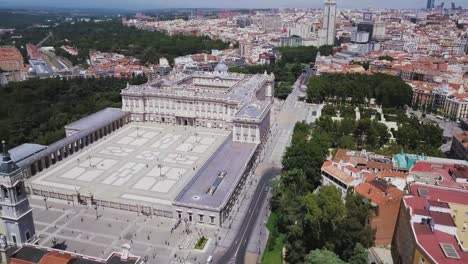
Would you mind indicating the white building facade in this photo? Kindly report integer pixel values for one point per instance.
(328, 31)
(230, 101)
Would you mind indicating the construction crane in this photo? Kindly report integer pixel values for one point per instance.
(346, 17)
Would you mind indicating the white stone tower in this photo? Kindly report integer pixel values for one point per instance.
(329, 22)
(151, 74)
(16, 214)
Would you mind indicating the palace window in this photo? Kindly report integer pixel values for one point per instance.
(5, 192)
(19, 189)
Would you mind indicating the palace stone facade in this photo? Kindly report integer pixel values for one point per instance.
(237, 102)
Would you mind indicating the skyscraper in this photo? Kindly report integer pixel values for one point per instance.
(329, 21)
(430, 4)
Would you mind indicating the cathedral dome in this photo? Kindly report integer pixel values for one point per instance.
(221, 67)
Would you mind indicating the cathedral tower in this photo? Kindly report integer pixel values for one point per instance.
(16, 214)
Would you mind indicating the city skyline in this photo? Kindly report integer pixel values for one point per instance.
(148, 4)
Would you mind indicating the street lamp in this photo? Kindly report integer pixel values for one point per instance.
(160, 169)
(97, 216)
(45, 202)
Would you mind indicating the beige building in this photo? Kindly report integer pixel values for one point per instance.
(459, 148)
(237, 102)
(456, 106)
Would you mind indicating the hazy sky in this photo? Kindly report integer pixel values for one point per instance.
(147, 4)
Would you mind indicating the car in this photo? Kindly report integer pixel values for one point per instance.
(266, 189)
(209, 259)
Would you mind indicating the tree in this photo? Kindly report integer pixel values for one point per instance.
(326, 50)
(323, 256)
(325, 212)
(306, 157)
(354, 228)
(347, 142)
(389, 91)
(309, 219)
(282, 90)
(360, 255)
(113, 36)
(387, 58)
(36, 110)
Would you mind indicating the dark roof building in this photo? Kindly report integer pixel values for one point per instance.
(33, 254)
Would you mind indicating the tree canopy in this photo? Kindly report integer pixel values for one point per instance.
(388, 91)
(36, 110)
(387, 58)
(323, 256)
(310, 219)
(303, 54)
(113, 36)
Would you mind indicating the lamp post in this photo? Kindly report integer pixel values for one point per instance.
(95, 208)
(160, 169)
(45, 202)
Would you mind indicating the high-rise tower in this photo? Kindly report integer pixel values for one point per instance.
(430, 4)
(15, 212)
(329, 22)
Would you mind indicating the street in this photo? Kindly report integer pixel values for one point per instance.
(291, 112)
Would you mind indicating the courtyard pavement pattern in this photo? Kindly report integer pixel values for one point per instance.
(142, 163)
(99, 232)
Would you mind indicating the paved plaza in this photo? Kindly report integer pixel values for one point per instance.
(146, 163)
(99, 232)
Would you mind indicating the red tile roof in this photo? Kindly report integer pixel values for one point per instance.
(442, 170)
(419, 205)
(57, 258)
(440, 218)
(10, 59)
(19, 261)
(449, 195)
(392, 174)
(376, 194)
(331, 169)
(352, 169)
(341, 155)
(430, 241)
(378, 165)
(33, 51)
(438, 204)
(422, 167)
